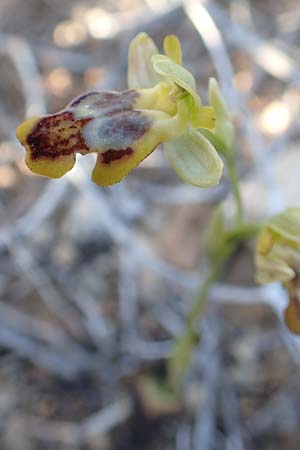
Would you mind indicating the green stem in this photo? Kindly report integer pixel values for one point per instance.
(234, 181)
(243, 231)
(182, 352)
(199, 301)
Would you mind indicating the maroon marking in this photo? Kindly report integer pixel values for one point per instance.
(113, 155)
(115, 101)
(57, 135)
(81, 97)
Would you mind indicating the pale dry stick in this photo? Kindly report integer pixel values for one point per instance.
(205, 421)
(41, 330)
(281, 406)
(240, 38)
(213, 41)
(127, 201)
(167, 16)
(123, 235)
(43, 334)
(172, 321)
(44, 344)
(143, 255)
(273, 295)
(157, 6)
(105, 420)
(19, 290)
(22, 57)
(89, 430)
(132, 342)
(142, 349)
(268, 55)
(8, 123)
(139, 250)
(246, 39)
(229, 293)
(54, 432)
(75, 61)
(63, 365)
(178, 277)
(229, 405)
(184, 437)
(148, 350)
(54, 195)
(128, 293)
(100, 329)
(26, 264)
(14, 434)
(8, 403)
(183, 194)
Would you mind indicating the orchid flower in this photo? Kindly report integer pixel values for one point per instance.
(278, 259)
(123, 128)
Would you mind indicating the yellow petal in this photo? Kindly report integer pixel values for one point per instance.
(204, 117)
(172, 48)
(140, 70)
(194, 159)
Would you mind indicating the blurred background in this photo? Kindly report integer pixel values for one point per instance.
(95, 283)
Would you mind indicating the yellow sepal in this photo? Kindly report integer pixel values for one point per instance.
(172, 48)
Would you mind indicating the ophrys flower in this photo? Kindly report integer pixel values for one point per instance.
(123, 128)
